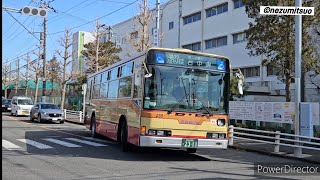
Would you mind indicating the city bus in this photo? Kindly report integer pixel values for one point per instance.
(166, 98)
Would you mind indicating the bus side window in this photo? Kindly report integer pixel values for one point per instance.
(137, 92)
(89, 89)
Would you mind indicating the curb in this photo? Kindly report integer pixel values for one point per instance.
(272, 154)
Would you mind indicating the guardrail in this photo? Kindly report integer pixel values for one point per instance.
(274, 137)
(73, 116)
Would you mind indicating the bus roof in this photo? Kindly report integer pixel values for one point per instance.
(179, 50)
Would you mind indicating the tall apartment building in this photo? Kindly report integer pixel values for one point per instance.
(78, 40)
(214, 27)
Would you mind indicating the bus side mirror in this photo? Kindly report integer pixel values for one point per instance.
(148, 74)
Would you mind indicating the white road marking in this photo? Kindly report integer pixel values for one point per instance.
(10, 146)
(99, 140)
(86, 142)
(63, 143)
(35, 144)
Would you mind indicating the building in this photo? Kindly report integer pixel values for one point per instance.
(78, 40)
(214, 27)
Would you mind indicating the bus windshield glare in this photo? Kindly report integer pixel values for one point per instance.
(185, 90)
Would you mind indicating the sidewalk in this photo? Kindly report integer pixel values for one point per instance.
(310, 155)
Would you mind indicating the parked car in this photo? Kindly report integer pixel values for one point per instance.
(43, 111)
(21, 105)
(6, 104)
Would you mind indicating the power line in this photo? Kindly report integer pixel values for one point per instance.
(22, 25)
(15, 21)
(19, 56)
(120, 2)
(75, 11)
(97, 18)
(17, 28)
(22, 30)
(68, 10)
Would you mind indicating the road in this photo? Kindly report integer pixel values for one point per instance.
(65, 151)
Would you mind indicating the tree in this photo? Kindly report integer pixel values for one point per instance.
(6, 78)
(37, 70)
(107, 55)
(272, 37)
(54, 73)
(140, 39)
(26, 76)
(65, 42)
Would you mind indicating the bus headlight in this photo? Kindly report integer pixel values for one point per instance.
(216, 135)
(160, 133)
(221, 122)
(152, 132)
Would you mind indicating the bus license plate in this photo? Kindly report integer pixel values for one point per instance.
(189, 143)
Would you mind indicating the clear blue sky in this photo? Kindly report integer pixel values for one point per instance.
(17, 41)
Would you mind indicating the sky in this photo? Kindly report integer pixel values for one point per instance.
(17, 41)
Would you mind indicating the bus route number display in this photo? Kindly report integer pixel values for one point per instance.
(189, 60)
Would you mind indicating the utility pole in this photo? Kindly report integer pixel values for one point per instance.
(45, 5)
(18, 74)
(27, 73)
(44, 59)
(298, 50)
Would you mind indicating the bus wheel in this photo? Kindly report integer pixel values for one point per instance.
(124, 137)
(191, 150)
(93, 127)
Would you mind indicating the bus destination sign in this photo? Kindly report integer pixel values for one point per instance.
(190, 60)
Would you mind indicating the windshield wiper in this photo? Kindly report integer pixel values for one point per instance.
(170, 111)
(195, 95)
(207, 109)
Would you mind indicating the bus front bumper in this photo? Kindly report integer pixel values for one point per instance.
(153, 141)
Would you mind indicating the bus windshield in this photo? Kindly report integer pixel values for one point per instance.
(185, 90)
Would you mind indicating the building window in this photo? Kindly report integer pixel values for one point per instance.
(192, 18)
(193, 47)
(134, 35)
(239, 37)
(217, 10)
(171, 25)
(251, 71)
(272, 70)
(216, 42)
(238, 3)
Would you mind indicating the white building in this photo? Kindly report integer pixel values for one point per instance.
(214, 27)
(78, 40)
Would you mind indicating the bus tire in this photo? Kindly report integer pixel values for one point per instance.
(124, 137)
(93, 127)
(191, 150)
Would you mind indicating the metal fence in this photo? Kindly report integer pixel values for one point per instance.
(73, 116)
(274, 137)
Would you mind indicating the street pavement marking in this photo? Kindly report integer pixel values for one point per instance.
(86, 142)
(99, 140)
(63, 143)
(35, 144)
(10, 146)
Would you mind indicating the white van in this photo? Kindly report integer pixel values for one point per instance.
(21, 105)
